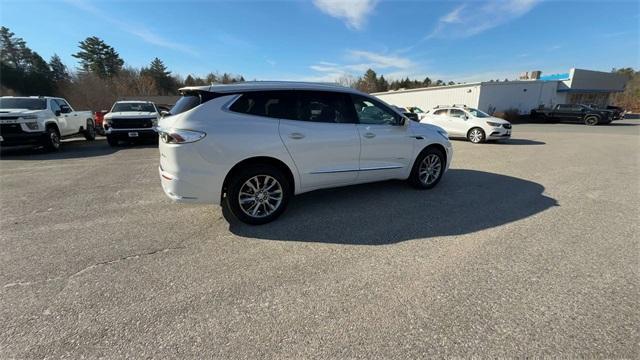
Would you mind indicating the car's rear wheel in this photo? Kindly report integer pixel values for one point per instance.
(476, 135)
(258, 194)
(52, 139)
(591, 120)
(90, 131)
(428, 169)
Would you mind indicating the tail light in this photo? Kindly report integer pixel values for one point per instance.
(179, 136)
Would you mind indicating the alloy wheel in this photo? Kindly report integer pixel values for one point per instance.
(55, 139)
(475, 135)
(260, 196)
(430, 169)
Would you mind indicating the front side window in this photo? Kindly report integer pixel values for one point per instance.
(457, 113)
(372, 112)
(273, 104)
(133, 107)
(63, 105)
(319, 106)
(477, 113)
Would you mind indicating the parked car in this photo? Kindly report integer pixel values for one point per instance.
(469, 123)
(131, 121)
(99, 119)
(252, 146)
(574, 113)
(416, 110)
(42, 120)
(407, 113)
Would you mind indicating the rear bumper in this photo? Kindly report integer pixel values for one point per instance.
(180, 190)
(23, 138)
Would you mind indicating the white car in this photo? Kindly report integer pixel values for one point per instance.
(131, 121)
(470, 123)
(42, 120)
(252, 145)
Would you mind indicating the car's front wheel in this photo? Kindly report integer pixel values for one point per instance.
(258, 194)
(428, 169)
(476, 135)
(591, 120)
(52, 139)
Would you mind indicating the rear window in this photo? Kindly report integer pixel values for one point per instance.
(191, 99)
(29, 104)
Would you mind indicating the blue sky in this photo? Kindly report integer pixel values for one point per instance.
(321, 40)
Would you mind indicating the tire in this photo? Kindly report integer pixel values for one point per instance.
(591, 120)
(476, 135)
(52, 140)
(258, 207)
(428, 169)
(90, 131)
(113, 142)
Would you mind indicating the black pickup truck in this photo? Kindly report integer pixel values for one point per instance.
(575, 113)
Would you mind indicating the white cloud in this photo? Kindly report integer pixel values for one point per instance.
(353, 12)
(476, 17)
(137, 30)
(360, 61)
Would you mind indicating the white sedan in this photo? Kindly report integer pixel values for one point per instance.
(470, 123)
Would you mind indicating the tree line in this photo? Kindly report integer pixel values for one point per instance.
(370, 83)
(101, 78)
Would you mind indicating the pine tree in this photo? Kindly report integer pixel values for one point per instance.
(59, 71)
(158, 71)
(97, 57)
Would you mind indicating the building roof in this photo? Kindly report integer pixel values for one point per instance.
(270, 85)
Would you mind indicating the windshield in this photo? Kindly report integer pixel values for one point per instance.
(16, 103)
(478, 113)
(417, 110)
(128, 107)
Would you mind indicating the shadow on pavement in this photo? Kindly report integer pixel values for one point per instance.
(385, 213)
(69, 149)
(518, 142)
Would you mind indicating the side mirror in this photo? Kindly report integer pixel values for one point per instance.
(164, 113)
(57, 113)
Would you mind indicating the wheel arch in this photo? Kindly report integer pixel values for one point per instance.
(262, 160)
(438, 146)
(52, 124)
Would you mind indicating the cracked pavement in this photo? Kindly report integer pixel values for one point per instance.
(527, 248)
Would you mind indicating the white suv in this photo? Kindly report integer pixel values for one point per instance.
(470, 123)
(253, 145)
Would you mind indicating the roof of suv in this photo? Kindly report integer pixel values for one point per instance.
(271, 85)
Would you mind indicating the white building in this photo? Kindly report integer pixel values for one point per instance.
(576, 86)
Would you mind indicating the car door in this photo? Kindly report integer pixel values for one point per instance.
(72, 120)
(440, 118)
(565, 112)
(459, 122)
(386, 141)
(60, 117)
(321, 137)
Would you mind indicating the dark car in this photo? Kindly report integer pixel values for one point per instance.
(573, 113)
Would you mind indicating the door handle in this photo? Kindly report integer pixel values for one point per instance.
(296, 136)
(369, 135)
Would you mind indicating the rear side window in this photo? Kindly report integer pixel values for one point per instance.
(329, 107)
(442, 112)
(273, 104)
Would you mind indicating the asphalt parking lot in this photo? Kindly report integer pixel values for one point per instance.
(526, 248)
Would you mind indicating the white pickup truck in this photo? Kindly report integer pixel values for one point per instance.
(42, 121)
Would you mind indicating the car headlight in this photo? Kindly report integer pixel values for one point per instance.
(494, 124)
(444, 134)
(179, 136)
(32, 125)
(29, 117)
